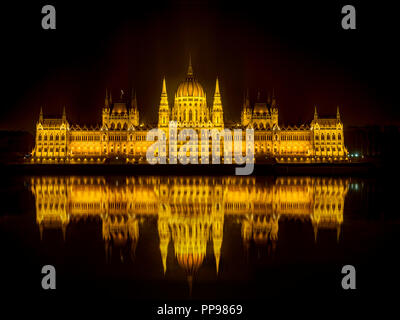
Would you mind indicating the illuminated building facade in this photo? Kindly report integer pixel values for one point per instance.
(190, 211)
(121, 136)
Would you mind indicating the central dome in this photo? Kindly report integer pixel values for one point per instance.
(190, 87)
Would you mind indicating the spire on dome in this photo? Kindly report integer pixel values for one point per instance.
(190, 284)
(338, 114)
(164, 87)
(315, 113)
(64, 115)
(190, 69)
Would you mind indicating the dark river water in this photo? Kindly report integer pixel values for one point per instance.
(159, 239)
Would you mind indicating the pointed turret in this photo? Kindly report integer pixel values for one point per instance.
(217, 88)
(41, 115)
(163, 232)
(134, 111)
(64, 115)
(246, 112)
(106, 109)
(164, 254)
(164, 87)
(315, 113)
(217, 105)
(315, 232)
(338, 233)
(163, 112)
(337, 114)
(217, 258)
(217, 112)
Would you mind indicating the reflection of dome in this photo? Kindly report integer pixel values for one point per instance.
(190, 261)
(261, 238)
(190, 87)
(119, 239)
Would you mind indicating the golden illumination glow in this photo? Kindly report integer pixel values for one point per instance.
(190, 210)
(120, 135)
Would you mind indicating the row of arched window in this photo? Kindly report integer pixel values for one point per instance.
(85, 138)
(328, 137)
(118, 126)
(295, 137)
(51, 137)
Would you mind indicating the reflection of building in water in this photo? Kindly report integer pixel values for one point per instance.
(190, 210)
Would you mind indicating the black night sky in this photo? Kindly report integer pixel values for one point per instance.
(299, 50)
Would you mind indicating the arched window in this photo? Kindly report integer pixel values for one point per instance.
(63, 137)
(190, 115)
(119, 126)
(51, 137)
(328, 137)
(40, 137)
(112, 126)
(333, 136)
(57, 137)
(125, 126)
(322, 137)
(339, 136)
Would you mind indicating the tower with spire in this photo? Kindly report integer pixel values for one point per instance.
(217, 111)
(106, 109)
(41, 115)
(163, 111)
(64, 116)
(246, 110)
(274, 110)
(133, 111)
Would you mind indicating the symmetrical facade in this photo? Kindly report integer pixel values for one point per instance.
(121, 136)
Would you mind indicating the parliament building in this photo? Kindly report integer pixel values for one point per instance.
(122, 137)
